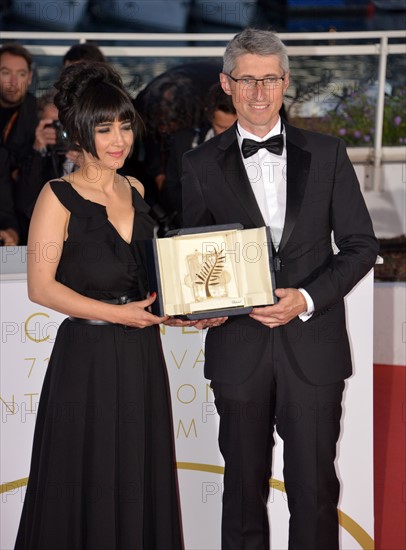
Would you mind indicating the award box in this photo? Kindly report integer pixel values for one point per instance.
(211, 271)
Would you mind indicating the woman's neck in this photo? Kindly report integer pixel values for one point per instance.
(92, 176)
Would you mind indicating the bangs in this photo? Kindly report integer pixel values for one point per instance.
(113, 106)
(103, 103)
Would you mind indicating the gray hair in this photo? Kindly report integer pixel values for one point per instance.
(47, 98)
(257, 42)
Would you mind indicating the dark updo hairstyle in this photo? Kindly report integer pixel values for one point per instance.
(90, 94)
(89, 51)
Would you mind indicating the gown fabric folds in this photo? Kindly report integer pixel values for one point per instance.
(102, 473)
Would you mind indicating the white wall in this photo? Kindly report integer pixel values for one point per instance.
(387, 207)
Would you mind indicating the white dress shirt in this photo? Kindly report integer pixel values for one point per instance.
(267, 174)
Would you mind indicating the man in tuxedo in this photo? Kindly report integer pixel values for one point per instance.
(283, 365)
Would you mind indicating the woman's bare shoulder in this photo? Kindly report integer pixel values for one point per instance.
(134, 182)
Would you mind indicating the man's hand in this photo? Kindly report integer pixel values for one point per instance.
(8, 237)
(200, 324)
(159, 181)
(75, 156)
(174, 322)
(291, 304)
(44, 134)
(210, 323)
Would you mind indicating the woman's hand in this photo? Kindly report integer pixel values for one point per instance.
(136, 315)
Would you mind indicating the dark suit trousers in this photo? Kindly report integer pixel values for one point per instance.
(307, 418)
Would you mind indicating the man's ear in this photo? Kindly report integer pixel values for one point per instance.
(225, 83)
(286, 82)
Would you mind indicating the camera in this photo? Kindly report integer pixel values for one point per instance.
(62, 144)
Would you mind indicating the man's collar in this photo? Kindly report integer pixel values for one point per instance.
(242, 133)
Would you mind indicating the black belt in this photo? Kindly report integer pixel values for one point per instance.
(121, 300)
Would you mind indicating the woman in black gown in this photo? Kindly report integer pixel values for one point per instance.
(102, 474)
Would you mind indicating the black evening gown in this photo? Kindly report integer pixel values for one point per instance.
(102, 473)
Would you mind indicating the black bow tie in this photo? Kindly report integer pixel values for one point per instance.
(274, 145)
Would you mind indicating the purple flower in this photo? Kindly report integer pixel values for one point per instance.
(402, 140)
(342, 131)
(367, 138)
(357, 134)
(397, 120)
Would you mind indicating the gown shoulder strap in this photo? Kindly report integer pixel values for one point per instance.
(63, 191)
(74, 202)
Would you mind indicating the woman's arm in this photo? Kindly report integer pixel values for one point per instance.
(48, 230)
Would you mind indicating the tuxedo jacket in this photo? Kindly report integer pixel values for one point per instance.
(323, 196)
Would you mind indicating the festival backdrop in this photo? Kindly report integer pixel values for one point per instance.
(27, 335)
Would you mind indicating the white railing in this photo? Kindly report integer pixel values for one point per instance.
(379, 44)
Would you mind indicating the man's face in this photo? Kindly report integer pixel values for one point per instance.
(15, 78)
(257, 105)
(221, 121)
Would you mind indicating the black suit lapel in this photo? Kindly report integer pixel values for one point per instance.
(297, 173)
(236, 177)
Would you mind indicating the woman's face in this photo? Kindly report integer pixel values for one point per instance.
(113, 142)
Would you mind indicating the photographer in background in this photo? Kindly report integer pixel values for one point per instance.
(18, 114)
(51, 157)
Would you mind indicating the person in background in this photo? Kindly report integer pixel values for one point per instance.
(9, 227)
(283, 365)
(18, 111)
(102, 471)
(220, 114)
(172, 101)
(51, 156)
(89, 51)
(220, 111)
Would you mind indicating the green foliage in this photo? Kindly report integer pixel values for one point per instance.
(354, 120)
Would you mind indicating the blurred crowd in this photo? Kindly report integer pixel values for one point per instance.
(180, 109)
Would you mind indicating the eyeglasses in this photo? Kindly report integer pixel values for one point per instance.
(268, 82)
